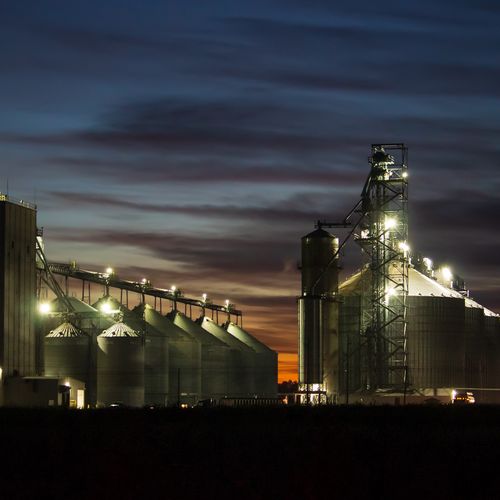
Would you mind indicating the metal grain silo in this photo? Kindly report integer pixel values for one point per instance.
(266, 360)
(491, 366)
(435, 342)
(120, 366)
(318, 315)
(184, 359)
(156, 358)
(67, 353)
(215, 357)
(242, 365)
(350, 374)
(475, 343)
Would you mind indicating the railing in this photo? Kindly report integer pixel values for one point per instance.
(22, 203)
(141, 287)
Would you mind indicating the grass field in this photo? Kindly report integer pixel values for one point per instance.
(308, 453)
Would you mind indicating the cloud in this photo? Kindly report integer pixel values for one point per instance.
(305, 207)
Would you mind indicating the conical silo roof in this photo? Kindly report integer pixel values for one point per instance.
(194, 329)
(217, 331)
(419, 285)
(246, 338)
(119, 329)
(161, 323)
(78, 305)
(66, 330)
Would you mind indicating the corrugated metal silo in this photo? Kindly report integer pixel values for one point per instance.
(436, 342)
(318, 313)
(491, 374)
(91, 322)
(243, 359)
(474, 345)
(350, 378)
(156, 358)
(215, 360)
(266, 364)
(120, 366)
(184, 358)
(67, 353)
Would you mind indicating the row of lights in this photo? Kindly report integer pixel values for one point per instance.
(106, 308)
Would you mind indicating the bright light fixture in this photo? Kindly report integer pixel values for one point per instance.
(106, 308)
(227, 303)
(109, 270)
(204, 297)
(173, 288)
(44, 307)
(404, 246)
(390, 223)
(427, 263)
(405, 175)
(447, 274)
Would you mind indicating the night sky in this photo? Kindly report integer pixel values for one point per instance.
(195, 142)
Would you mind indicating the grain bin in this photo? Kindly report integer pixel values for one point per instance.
(120, 366)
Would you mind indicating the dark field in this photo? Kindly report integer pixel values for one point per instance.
(343, 452)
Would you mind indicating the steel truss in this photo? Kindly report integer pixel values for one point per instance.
(384, 238)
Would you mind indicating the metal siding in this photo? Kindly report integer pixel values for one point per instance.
(120, 370)
(318, 249)
(350, 344)
(242, 360)
(184, 354)
(266, 361)
(67, 357)
(215, 362)
(17, 283)
(436, 342)
(156, 368)
(310, 329)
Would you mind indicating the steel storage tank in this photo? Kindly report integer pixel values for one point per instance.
(91, 322)
(120, 366)
(435, 342)
(215, 361)
(156, 358)
(318, 314)
(266, 360)
(350, 376)
(491, 371)
(67, 353)
(474, 345)
(243, 359)
(184, 359)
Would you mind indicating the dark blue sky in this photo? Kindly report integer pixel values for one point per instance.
(194, 142)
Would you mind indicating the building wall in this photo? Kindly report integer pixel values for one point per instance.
(17, 289)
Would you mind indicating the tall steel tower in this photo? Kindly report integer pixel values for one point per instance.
(384, 238)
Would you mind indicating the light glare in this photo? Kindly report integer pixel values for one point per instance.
(447, 274)
(106, 308)
(44, 307)
(404, 246)
(390, 223)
